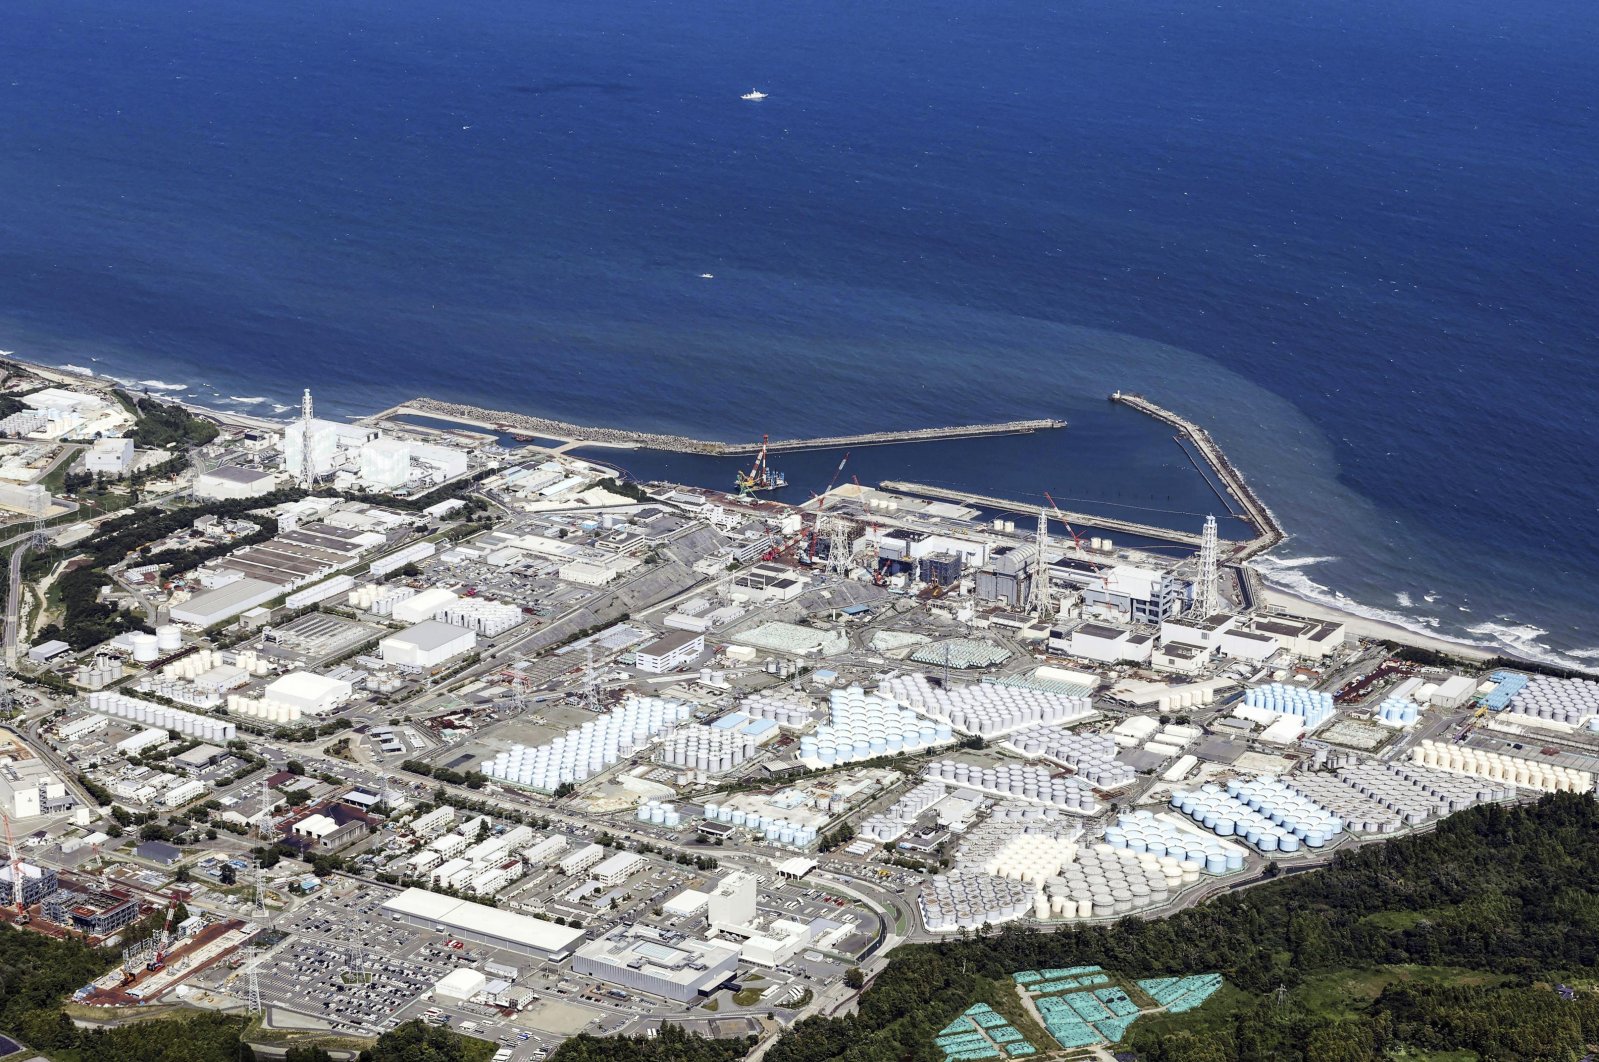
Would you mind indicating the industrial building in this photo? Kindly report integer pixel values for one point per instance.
(662, 964)
(230, 482)
(385, 463)
(426, 645)
(618, 868)
(311, 693)
(670, 652)
(210, 607)
(109, 457)
(475, 922)
(37, 883)
(29, 788)
(1104, 643)
(423, 606)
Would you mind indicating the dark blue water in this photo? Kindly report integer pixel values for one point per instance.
(1356, 240)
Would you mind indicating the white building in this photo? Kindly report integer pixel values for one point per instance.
(82, 726)
(732, 902)
(315, 441)
(1107, 644)
(670, 652)
(488, 618)
(1248, 645)
(426, 645)
(30, 499)
(580, 860)
(424, 606)
(618, 868)
(183, 792)
(386, 463)
(109, 457)
(229, 482)
(313, 694)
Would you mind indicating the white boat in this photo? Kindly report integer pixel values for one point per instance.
(753, 94)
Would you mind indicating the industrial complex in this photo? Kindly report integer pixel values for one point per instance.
(419, 720)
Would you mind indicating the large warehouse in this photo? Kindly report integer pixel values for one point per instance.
(427, 645)
(482, 925)
(210, 607)
(663, 964)
(313, 694)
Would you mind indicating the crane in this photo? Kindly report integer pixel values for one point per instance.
(761, 476)
(164, 941)
(1077, 540)
(16, 874)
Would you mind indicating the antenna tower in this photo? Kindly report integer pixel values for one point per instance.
(1206, 599)
(837, 546)
(255, 987)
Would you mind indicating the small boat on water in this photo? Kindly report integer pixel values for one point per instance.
(753, 94)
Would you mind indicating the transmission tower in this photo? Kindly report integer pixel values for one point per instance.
(591, 694)
(1206, 598)
(260, 892)
(837, 546)
(255, 986)
(307, 465)
(1038, 602)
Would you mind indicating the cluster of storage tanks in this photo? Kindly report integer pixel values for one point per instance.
(1398, 712)
(1107, 882)
(892, 824)
(773, 829)
(703, 748)
(1566, 701)
(985, 708)
(659, 813)
(862, 726)
(103, 671)
(204, 727)
(589, 749)
(1165, 838)
(1092, 756)
(198, 663)
(181, 692)
(1264, 812)
(378, 598)
(970, 899)
(1514, 770)
(1313, 706)
(788, 710)
(1018, 780)
(261, 708)
(1415, 793)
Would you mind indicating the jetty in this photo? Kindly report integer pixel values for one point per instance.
(1268, 532)
(566, 433)
(985, 501)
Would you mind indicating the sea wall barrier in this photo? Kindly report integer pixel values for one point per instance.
(1268, 532)
(563, 431)
(1104, 523)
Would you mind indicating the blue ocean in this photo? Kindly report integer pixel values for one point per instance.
(1356, 240)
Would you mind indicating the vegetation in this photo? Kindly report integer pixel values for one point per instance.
(672, 1044)
(163, 425)
(417, 1041)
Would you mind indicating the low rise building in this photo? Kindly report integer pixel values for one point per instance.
(662, 964)
(670, 652)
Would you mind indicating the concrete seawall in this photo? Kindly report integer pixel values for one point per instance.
(577, 433)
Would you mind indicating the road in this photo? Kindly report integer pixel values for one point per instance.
(14, 597)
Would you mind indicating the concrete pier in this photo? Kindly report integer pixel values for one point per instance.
(1103, 523)
(564, 432)
(1268, 532)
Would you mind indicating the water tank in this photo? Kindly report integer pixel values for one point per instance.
(145, 647)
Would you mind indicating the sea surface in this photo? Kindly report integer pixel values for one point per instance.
(1356, 240)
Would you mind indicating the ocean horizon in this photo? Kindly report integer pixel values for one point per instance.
(1353, 243)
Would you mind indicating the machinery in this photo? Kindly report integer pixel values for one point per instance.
(761, 475)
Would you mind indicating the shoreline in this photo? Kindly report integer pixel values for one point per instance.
(1276, 595)
(1375, 629)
